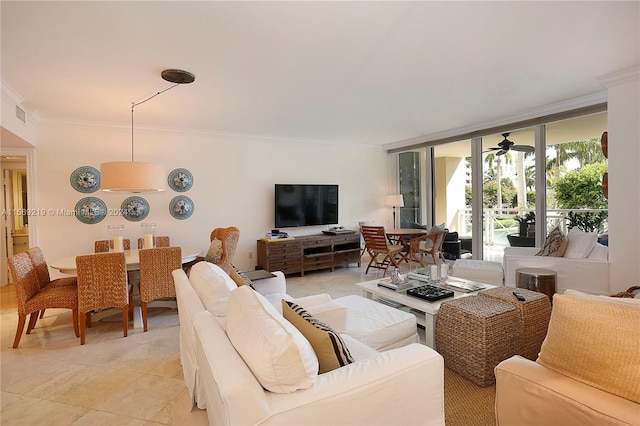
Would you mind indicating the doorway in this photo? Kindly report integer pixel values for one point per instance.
(14, 220)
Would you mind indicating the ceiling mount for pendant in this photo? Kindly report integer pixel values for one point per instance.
(178, 76)
(134, 176)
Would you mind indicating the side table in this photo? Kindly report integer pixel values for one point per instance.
(534, 312)
(537, 279)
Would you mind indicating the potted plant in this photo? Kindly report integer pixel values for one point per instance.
(527, 224)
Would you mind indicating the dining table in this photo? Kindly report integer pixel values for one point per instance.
(67, 265)
(404, 236)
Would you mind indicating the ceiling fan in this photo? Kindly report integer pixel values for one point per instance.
(507, 145)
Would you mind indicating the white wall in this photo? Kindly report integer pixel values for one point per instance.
(624, 179)
(233, 184)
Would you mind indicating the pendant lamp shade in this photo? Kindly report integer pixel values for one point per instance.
(132, 176)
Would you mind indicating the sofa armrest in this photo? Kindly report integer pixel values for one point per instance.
(528, 393)
(399, 386)
(277, 284)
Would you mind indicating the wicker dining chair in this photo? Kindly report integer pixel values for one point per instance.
(383, 254)
(156, 281)
(102, 246)
(161, 241)
(429, 244)
(102, 283)
(31, 299)
(229, 237)
(42, 271)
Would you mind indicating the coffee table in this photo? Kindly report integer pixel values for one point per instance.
(426, 312)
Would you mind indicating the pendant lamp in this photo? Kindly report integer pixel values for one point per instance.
(135, 176)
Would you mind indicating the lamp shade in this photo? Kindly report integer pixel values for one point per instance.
(132, 176)
(395, 200)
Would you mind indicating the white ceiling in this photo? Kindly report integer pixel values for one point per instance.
(352, 72)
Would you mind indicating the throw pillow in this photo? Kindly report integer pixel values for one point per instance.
(209, 281)
(555, 245)
(277, 354)
(329, 347)
(595, 342)
(239, 277)
(580, 243)
(214, 254)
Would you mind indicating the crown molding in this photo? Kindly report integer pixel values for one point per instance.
(506, 122)
(13, 96)
(620, 77)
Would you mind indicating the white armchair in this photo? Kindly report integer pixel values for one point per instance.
(589, 275)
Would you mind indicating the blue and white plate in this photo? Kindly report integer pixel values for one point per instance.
(85, 179)
(181, 207)
(135, 208)
(90, 210)
(180, 180)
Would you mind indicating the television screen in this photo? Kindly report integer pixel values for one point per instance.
(305, 205)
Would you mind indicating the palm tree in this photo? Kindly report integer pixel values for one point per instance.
(490, 159)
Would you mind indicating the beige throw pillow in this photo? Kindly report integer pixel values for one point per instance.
(329, 347)
(596, 342)
(555, 245)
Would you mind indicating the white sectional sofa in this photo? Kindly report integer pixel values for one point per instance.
(237, 346)
(589, 274)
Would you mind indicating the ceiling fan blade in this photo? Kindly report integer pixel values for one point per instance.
(502, 152)
(523, 148)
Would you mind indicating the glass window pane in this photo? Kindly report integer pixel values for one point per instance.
(575, 167)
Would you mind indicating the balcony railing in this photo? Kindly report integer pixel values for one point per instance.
(498, 223)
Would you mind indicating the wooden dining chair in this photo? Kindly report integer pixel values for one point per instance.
(102, 283)
(383, 253)
(429, 244)
(31, 299)
(42, 272)
(102, 246)
(156, 281)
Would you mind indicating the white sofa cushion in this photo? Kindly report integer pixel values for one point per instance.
(213, 286)
(378, 326)
(327, 344)
(279, 356)
(580, 243)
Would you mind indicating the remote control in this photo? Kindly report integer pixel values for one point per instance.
(518, 296)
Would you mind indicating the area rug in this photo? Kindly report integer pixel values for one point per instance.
(466, 404)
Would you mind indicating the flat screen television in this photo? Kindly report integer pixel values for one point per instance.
(305, 205)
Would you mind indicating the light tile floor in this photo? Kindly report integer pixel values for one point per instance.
(50, 379)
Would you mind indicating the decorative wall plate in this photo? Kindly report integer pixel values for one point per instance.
(181, 207)
(180, 180)
(90, 210)
(85, 179)
(135, 208)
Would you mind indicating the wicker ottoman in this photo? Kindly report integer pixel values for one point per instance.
(535, 313)
(474, 334)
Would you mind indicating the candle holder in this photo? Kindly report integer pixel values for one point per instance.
(116, 238)
(148, 235)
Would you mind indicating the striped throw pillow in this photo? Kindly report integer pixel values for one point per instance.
(329, 347)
